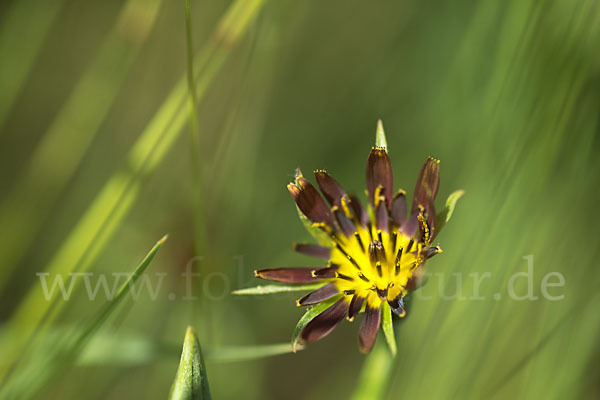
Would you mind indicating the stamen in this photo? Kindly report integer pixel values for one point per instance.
(349, 292)
(399, 255)
(381, 241)
(353, 261)
(344, 277)
(341, 249)
(376, 252)
(379, 271)
(348, 256)
(398, 258)
(359, 240)
(393, 239)
(364, 278)
(410, 245)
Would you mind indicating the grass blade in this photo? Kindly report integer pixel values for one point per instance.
(191, 381)
(23, 28)
(64, 144)
(99, 223)
(48, 363)
(375, 374)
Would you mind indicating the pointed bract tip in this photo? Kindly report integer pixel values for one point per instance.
(380, 140)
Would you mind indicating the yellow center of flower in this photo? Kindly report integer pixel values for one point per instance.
(375, 264)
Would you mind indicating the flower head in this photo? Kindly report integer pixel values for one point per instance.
(376, 256)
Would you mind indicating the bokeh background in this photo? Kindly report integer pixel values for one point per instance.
(98, 161)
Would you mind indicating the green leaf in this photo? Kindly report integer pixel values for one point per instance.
(380, 140)
(247, 353)
(191, 381)
(309, 316)
(388, 327)
(447, 212)
(270, 289)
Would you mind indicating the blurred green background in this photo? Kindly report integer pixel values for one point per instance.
(97, 163)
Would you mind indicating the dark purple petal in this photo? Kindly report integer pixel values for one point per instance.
(417, 279)
(411, 226)
(426, 189)
(355, 306)
(331, 189)
(431, 221)
(360, 214)
(379, 173)
(325, 322)
(367, 333)
(288, 275)
(345, 224)
(313, 250)
(382, 218)
(328, 272)
(428, 184)
(323, 293)
(399, 208)
(310, 202)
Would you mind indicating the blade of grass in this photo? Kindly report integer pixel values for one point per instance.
(32, 378)
(375, 374)
(63, 146)
(191, 381)
(22, 32)
(93, 231)
(197, 175)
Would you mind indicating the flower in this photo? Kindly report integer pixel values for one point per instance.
(375, 256)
